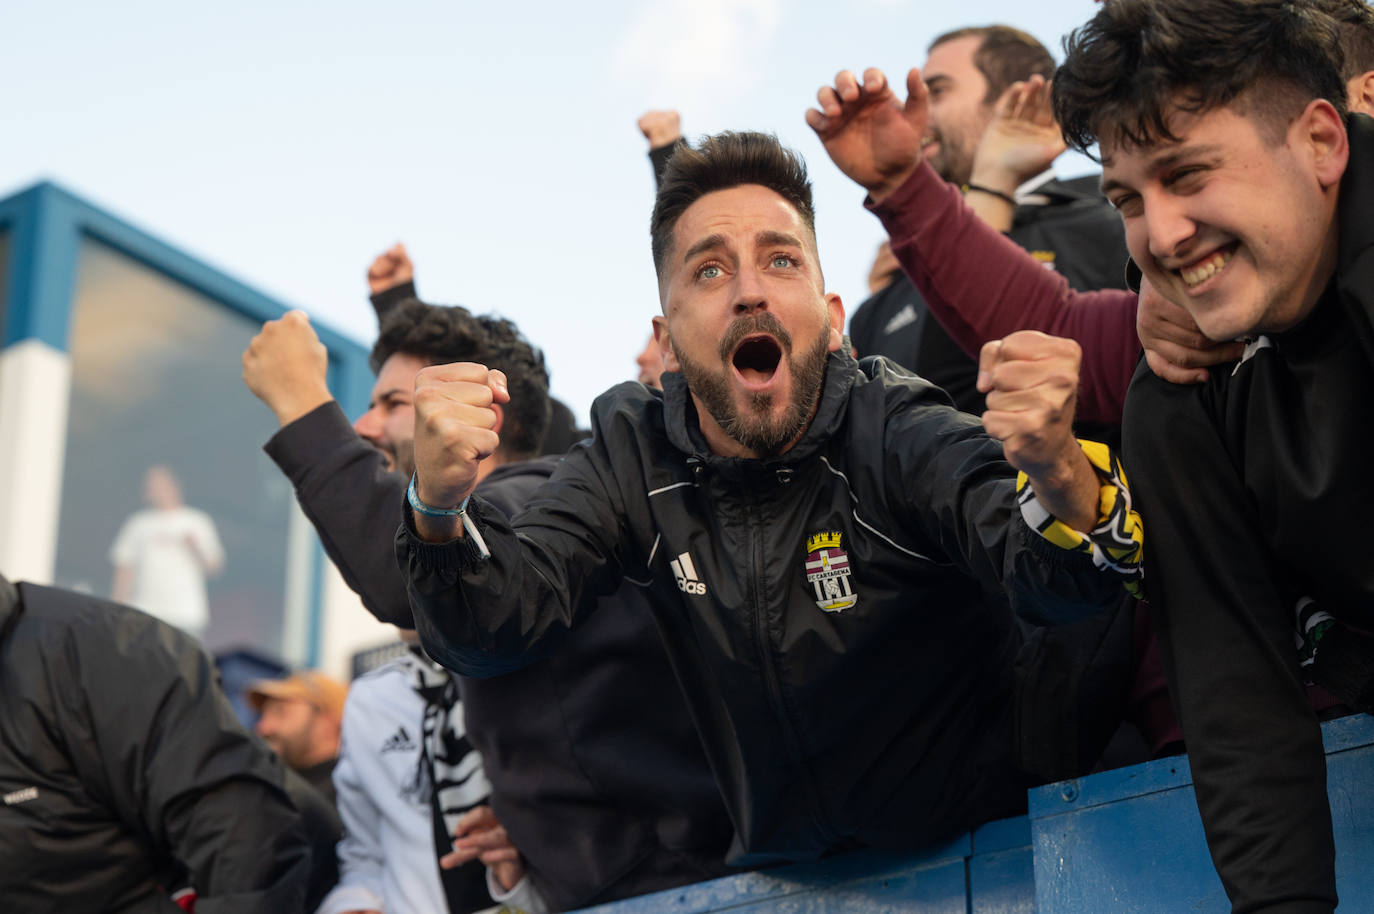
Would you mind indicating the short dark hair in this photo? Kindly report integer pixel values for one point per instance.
(439, 335)
(1355, 19)
(1137, 62)
(720, 162)
(1004, 56)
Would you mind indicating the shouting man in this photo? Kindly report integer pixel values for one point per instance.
(816, 539)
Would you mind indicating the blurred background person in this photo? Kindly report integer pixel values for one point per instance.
(300, 717)
(163, 554)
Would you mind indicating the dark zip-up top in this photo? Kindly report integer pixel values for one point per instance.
(840, 618)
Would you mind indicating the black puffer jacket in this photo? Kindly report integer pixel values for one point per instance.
(122, 765)
(832, 615)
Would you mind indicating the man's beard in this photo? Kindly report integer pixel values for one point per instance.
(953, 162)
(400, 456)
(756, 428)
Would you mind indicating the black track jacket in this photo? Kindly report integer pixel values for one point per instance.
(826, 612)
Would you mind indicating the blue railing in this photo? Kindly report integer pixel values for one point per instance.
(1127, 842)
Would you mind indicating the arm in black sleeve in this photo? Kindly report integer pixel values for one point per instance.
(658, 159)
(352, 500)
(158, 736)
(959, 493)
(488, 616)
(385, 300)
(1226, 633)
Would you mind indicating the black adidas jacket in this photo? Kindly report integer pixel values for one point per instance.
(596, 771)
(885, 722)
(123, 767)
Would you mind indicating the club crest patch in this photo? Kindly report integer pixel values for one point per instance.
(827, 571)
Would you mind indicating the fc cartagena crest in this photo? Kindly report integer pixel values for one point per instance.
(827, 571)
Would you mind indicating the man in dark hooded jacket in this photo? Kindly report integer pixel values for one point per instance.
(125, 773)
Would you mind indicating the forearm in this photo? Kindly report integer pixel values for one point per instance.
(1070, 490)
(353, 502)
(981, 286)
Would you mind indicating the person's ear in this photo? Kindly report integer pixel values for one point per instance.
(1322, 132)
(1359, 94)
(665, 343)
(835, 307)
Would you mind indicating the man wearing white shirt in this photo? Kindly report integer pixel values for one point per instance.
(163, 553)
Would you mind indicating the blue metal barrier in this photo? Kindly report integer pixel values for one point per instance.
(1131, 841)
(1127, 841)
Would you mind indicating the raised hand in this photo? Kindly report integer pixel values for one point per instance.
(457, 418)
(1031, 382)
(661, 128)
(874, 137)
(1021, 140)
(391, 268)
(1175, 348)
(285, 366)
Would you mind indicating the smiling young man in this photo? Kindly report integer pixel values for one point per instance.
(1247, 200)
(818, 542)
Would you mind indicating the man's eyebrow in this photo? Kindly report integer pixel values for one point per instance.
(389, 392)
(710, 242)
(782, 239)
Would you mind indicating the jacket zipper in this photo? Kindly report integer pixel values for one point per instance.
(763, 647)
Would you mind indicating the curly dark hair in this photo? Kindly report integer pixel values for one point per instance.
(720, 162)
(1356, 21)
(1137, 62)
(439, 335)
(1005, 55)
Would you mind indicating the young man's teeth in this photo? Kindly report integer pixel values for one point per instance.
(1205, 269)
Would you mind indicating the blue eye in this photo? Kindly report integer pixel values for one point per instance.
(782, 260)
(710, 271)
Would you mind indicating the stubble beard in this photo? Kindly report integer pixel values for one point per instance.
(755, 427)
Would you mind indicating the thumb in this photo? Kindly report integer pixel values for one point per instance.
(497, 381)
(987, 360)
(916, 99)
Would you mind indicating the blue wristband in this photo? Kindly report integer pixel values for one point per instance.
(420, 507)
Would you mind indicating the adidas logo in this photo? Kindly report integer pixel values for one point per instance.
(686, 574)
(23, 795)
(398, 741)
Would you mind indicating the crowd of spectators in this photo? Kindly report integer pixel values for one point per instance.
(1074, 491)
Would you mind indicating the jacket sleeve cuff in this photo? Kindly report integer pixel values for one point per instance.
(523, 897)
(310, 440)
(385, 300)
(456, 555)
(1116, 542)
(909, 208)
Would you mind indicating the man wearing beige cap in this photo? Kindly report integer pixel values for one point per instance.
(299, 717)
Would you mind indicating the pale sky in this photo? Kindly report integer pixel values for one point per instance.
(288, 143)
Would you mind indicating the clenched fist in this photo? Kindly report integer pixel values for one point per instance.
(457, 421)
(286, 367)
(391, 268)
(661, 128)
(1031, 382)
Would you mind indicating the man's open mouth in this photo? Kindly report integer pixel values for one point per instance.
(1199, 271)
(756, 359)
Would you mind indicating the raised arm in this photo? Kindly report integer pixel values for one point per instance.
(487, 601)
(980, 285)
(341, 481)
